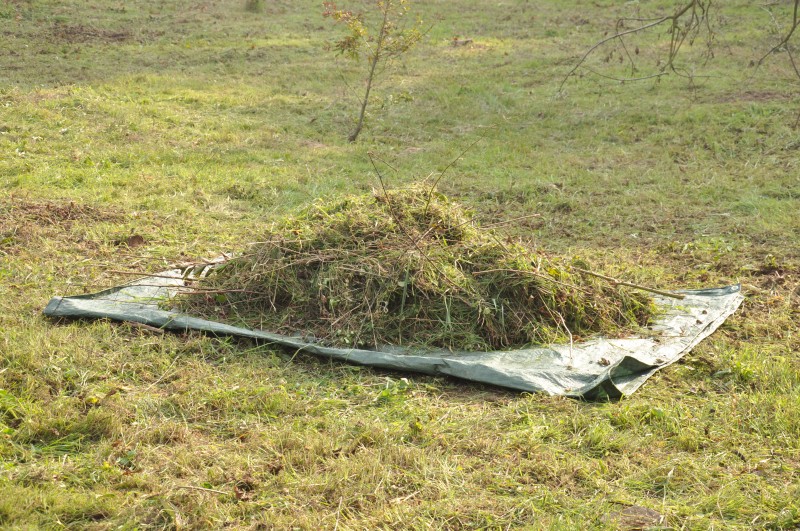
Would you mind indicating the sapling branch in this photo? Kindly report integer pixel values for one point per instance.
(380, 45)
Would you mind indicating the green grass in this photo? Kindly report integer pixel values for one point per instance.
(195, 124)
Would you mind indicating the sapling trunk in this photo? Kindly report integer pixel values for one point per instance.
(372, 67)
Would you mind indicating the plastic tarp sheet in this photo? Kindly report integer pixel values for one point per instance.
(593, 370)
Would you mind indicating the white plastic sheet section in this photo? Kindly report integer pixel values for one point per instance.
(593, 370)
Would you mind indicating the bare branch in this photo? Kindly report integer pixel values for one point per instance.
(785, 40)
(685, 23)
(608, 39)
(626, 79)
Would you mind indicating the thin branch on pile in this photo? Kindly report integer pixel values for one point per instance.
(208, 291)
(618, 282)
(449, 165)
(535, 274)
(403, 229)
(143, 275)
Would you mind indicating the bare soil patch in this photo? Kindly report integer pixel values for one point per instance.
(78, 33)
(52, 212)
(22, 220)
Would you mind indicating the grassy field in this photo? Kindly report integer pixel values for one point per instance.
(193, 124)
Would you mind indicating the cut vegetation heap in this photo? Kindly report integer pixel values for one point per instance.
(410, 267)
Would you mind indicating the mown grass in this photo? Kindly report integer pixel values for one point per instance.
(194, 124)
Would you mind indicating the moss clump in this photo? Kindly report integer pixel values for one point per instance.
(410, 267)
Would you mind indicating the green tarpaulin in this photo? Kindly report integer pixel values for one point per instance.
(596, 369)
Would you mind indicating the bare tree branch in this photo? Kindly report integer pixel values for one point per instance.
(689, 21)
(697, 11)
(785, 40)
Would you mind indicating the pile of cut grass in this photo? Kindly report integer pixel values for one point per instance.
(410, 267)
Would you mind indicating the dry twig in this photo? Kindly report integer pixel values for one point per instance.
(617, 282)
